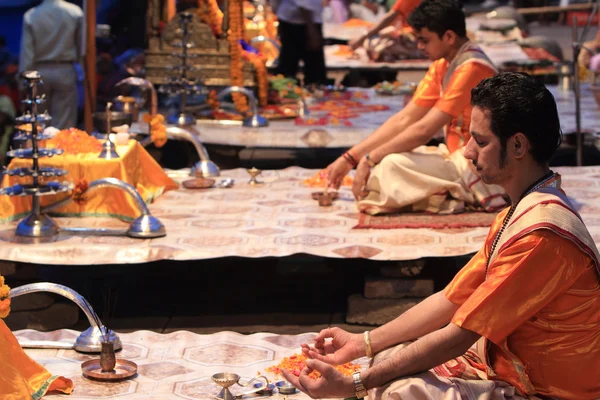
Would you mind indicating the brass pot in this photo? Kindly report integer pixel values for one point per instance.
(127, 105)
(117, 118)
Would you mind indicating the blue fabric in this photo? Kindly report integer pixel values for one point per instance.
(246, 46)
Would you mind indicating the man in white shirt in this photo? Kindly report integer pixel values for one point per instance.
(301, 35)
(51, 44)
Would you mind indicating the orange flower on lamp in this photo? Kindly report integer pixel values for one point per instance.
(158, 130)
(81, 186)
(4, 299)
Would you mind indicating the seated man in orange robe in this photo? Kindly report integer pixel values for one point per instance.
(21, 378)
(521, 319)
(400, 10)
(405, 173)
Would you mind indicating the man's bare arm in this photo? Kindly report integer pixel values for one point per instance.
(430, 351)
(391, 128)
(385, 21)
(427, 316)
(414, 136)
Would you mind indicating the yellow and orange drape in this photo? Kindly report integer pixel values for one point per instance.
(135, 166)
(20, 376)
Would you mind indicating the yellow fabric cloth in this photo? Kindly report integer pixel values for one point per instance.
(21, 378)
(134, 166)
(538, 307)
(455, 97)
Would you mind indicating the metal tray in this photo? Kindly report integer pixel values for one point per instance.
(43, 171)
(401, 90)
(124, 369)
(28, 118)
(24, 135)
(28, 153)
(41, 190)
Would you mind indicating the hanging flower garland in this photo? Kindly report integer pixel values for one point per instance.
(236, 75)
(262, 76)
(4, 299)
(211, 14)
(212, 100)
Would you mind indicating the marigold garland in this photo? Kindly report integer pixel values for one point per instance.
(213, 100)
(4, 299)
(236, 75)
(210, 14)
(158, 130)
(262, 75)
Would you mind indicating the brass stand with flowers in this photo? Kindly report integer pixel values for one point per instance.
(37, 224)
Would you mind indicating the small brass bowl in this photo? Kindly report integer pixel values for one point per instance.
(284, 387)
(198, 183)
(316, 195)
(325, 199)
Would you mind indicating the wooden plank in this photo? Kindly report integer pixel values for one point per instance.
(90, 65)
(555, 9)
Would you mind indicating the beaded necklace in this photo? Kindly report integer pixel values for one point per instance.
(535, 186)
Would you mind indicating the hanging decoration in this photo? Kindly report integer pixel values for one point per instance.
(210, 14)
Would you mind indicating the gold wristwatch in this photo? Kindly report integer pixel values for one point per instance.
(369, 161)
(359, 388)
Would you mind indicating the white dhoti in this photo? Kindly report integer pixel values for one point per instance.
(428, 179)
(60, 87)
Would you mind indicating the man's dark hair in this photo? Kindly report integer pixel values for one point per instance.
(439, 16)
(517, 102)
(2, 41)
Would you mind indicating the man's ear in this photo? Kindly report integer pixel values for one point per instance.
(450, 37)
(519, 145)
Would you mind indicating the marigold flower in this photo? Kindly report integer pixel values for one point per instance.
(4, 308)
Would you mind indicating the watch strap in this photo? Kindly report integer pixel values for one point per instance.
(359, 388)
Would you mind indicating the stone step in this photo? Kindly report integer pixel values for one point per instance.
(403, 269)
(387, 288)
(31, 302)
(376, 311)
(7, 268)
(19, 273)
(57, 316)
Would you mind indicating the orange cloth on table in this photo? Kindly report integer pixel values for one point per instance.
(20, 376)
(135, 166)
(455, 99)
(539, 304)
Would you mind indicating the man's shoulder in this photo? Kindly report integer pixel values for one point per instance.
(73, 9)
(438, 64)
(29, 13)
(477, 67)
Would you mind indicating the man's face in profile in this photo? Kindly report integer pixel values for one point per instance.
(485, 150)
(431, 44)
